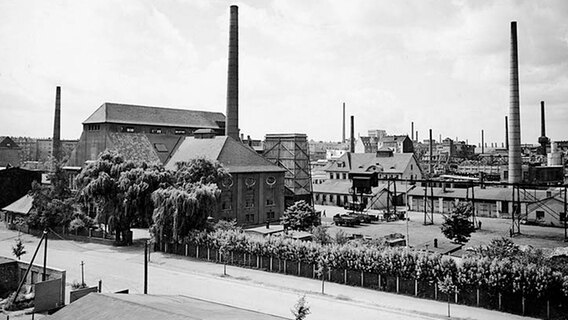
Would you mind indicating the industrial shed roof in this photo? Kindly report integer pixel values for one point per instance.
(22, 205)
(144, 115)
(97, 306)
(489, 193)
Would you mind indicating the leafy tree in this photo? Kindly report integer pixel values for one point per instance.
(447, 286)
(121, 189)
(300, 216)
(301, 309)
(18, 249)
(53, 203)
(320, 234)
(457, 226)
(341, 237)
(191, 197)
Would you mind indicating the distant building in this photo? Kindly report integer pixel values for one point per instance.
(388, 165)
(377, 133)
(254, 194)
(44, 148)
(15, 183)
(366, 144)
(398, 144)
(320, 149)
(124, 127)
(9, 152)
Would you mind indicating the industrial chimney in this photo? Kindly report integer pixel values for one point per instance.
(232, 124)
(506, 132)
(514, 113)
(482, 142)
(412, 130)
(431, 154)
(343, 137)
(543, 139)
(352, 141)
(56, 146)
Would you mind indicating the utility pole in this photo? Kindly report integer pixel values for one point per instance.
(82, 273)
(146, 267)
(44, 275)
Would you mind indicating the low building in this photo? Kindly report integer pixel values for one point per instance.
(366, 145)
(548, 211)
(336, 190)
(9, 152)
(254, 194)
(15, 183)
(489, 202)
(16, 213)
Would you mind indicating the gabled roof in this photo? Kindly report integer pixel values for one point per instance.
(363, 162)
(232, 154)
(143, 115)
(394, 138)
(22, 205)
(7, 142)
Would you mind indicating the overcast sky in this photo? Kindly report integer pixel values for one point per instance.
(442, 64)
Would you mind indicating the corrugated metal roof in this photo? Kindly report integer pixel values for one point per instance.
(22, 205)
(493, 194)
(363, 161)
(144, 115)
(97, 306)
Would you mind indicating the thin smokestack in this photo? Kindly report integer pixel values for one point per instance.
(514, 113)
(482, 142)
(431, 155)
(412, 130)
(506, 132)
(232, 124)
(543, 140)
(343, 137)
(56, 146)
(542, 124)
(417, 136)
(352, 142)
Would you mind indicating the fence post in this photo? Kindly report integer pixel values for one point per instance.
(197, 252)
(435, 291)
(165, 247)
(186, 250)
(313, 271)
(299, 267)
(285, 262)
(328, 274)
(415, 287)
(270, 263)
(379, 282)
(477, 297)
(499, 300)
(547, 309)
(232, 260)
(523, 304)
(208, 254)
(362, 279)
(456, 298)
(397, 284)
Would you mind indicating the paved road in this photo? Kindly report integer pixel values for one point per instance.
(122, 268)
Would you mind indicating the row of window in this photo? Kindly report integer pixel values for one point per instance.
(130, 129)
(343, 175)
(227, 199)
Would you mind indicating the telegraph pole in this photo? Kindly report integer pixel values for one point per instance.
(146, 267)
(82, 273)
(44, 275)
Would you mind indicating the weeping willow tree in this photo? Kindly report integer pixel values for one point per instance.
(119, 188)
(189, 200)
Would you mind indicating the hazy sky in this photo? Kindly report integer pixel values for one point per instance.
(442, 64)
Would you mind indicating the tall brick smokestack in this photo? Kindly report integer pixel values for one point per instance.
(343, 137)
(412, 130)
(430, 170)
(352, 140)
(543, 140)
(514, 113)
(482, 142)
(506, 132)
(56, 146)
(232, 124)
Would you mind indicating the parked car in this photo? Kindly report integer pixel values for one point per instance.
(345, 220)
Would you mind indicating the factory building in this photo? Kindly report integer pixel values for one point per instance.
(255, 192)
(9, 152)
(138, 130)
